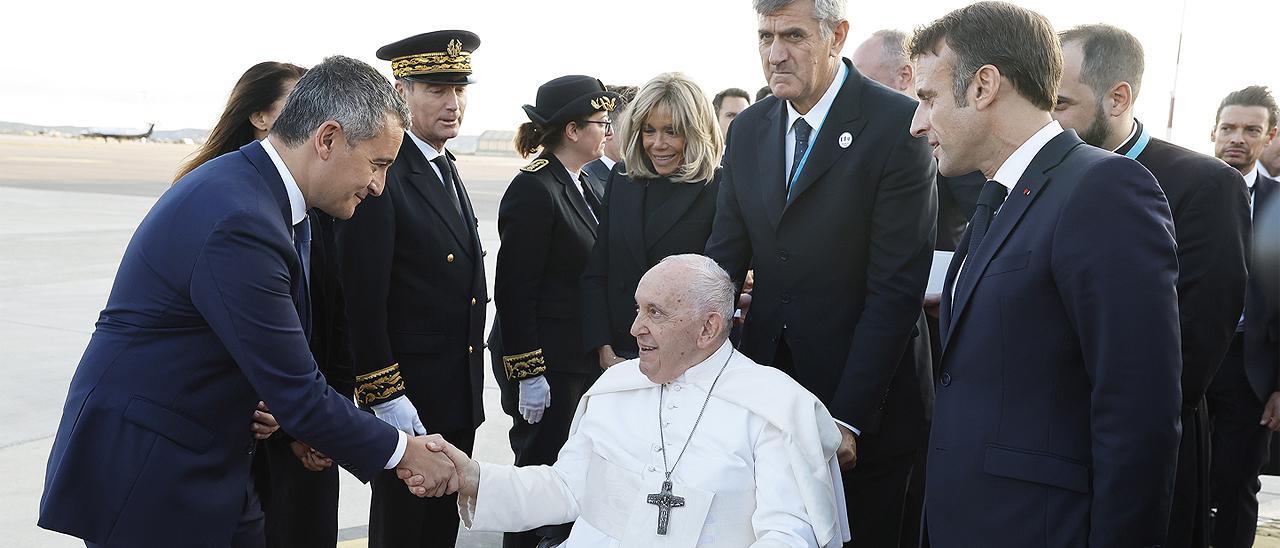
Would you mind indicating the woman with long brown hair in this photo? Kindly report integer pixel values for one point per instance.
(255, 101)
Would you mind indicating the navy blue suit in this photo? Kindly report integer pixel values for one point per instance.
(1056, 421)
(153, 447)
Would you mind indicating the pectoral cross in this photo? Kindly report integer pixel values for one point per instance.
(665, 501)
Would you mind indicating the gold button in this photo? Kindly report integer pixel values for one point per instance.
(449, 257)
(470, 349)
(473, 301)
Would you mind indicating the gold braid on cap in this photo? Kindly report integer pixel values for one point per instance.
(453, 59)
(604, 103)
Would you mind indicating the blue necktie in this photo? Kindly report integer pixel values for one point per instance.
(302, 295)
(802, 145)
(989, 200)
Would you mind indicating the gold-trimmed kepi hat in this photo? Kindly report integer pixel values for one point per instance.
(440, 57)
(570, 98)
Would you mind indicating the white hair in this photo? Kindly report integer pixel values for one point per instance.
(829, 12)
(709, 289)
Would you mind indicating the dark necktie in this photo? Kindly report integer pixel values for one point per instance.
(802, 145)
(302, 295)
(446, 176)
(590, 196)
(989, 200)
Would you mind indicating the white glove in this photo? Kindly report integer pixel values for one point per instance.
(535, 397)
(401, 414)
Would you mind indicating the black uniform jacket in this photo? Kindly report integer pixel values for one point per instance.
(547, 231)
(415, 291)
(629, 246)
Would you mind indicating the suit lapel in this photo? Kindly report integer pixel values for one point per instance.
(572, 193)
(267, 169)
(1015, 206)
(948, 288)
(424, 179)
(845, 116)
(771, 135)
(468, 212)
(627, 199)
(671, 212)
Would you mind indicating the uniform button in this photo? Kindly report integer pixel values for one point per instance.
(473, 301)
(679, 388)
(786, 298)
(783, 256)
(448, 258)
(657, 448)
(653, 469)
(946, 379)
(470, 349)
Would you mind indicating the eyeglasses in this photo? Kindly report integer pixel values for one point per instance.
(608, 124)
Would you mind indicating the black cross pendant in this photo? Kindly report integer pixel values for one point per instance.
(665, 501)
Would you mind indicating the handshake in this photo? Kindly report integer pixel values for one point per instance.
(432, 467)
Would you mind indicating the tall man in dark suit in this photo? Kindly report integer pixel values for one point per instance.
(208, 314)
(826, 195)
(1244, 397)
(415, 287)
(1102, 75)
(1058, 401)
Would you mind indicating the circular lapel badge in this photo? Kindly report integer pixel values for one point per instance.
(845, 140)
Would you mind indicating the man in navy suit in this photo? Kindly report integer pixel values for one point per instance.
(208, 314)
(1244, 397)
(1057, 414)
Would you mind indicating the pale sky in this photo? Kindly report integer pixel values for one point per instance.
(123, 64)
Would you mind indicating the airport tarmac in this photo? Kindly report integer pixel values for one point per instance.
(69, 207)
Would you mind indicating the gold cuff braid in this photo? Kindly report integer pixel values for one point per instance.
(379, 386)
(524, 366)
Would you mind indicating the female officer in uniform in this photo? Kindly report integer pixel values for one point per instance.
(547, 221)
(661, 201)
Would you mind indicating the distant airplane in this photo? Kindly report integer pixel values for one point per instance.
(118, 134)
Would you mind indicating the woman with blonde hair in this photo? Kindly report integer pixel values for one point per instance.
(661, 201)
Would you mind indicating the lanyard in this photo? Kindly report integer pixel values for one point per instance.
(814, 140)
(1138, 147)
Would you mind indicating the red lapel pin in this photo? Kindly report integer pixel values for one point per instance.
(1026, 191)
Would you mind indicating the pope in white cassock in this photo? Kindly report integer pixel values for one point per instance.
(693, 444)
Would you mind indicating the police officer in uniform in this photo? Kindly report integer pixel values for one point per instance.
(547, 221)
(415, 286)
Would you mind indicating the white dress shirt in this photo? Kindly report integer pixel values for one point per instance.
(429, 151)
(609, 163)
(1263, 170)
(1249, 179)
(577, 185)
(298, 211)
(815, 117)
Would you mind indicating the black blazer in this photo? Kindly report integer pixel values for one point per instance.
(414, 281)
(844, 264)
(627, 247)
(547, 231)
(957, 198)
(597, 176)
(1261, 320)
(329, 340)
(1210, 208)
(1059, 389)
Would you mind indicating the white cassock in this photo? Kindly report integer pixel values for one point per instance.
(761, 469)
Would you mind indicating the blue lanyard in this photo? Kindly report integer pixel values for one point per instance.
(814, 140)
(1138, 147)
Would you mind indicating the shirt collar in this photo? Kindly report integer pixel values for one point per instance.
(818, 113)
(1259, 168)
(427, 150)
(705, 372)
(609, 163)
(1251, 178)
(1018, 162)
(1126, 140)
(297, 204)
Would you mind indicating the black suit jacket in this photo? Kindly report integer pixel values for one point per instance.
(843, 264)
(330, 343)
(597, 176)
(1059, 393)
(547, 231)
(957, 198)
(1210, 208)
(413, 277)
(628, 247)
(1261, 321)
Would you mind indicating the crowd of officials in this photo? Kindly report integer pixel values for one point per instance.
(1100, 368)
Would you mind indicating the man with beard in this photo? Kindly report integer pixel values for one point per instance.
(1244, 397)
(1102, 75)
(414, 283)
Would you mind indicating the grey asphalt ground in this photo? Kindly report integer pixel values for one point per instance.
(67, 210)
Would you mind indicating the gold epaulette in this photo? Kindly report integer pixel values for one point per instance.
(535, 165)
(379, 386)
(524, 366)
